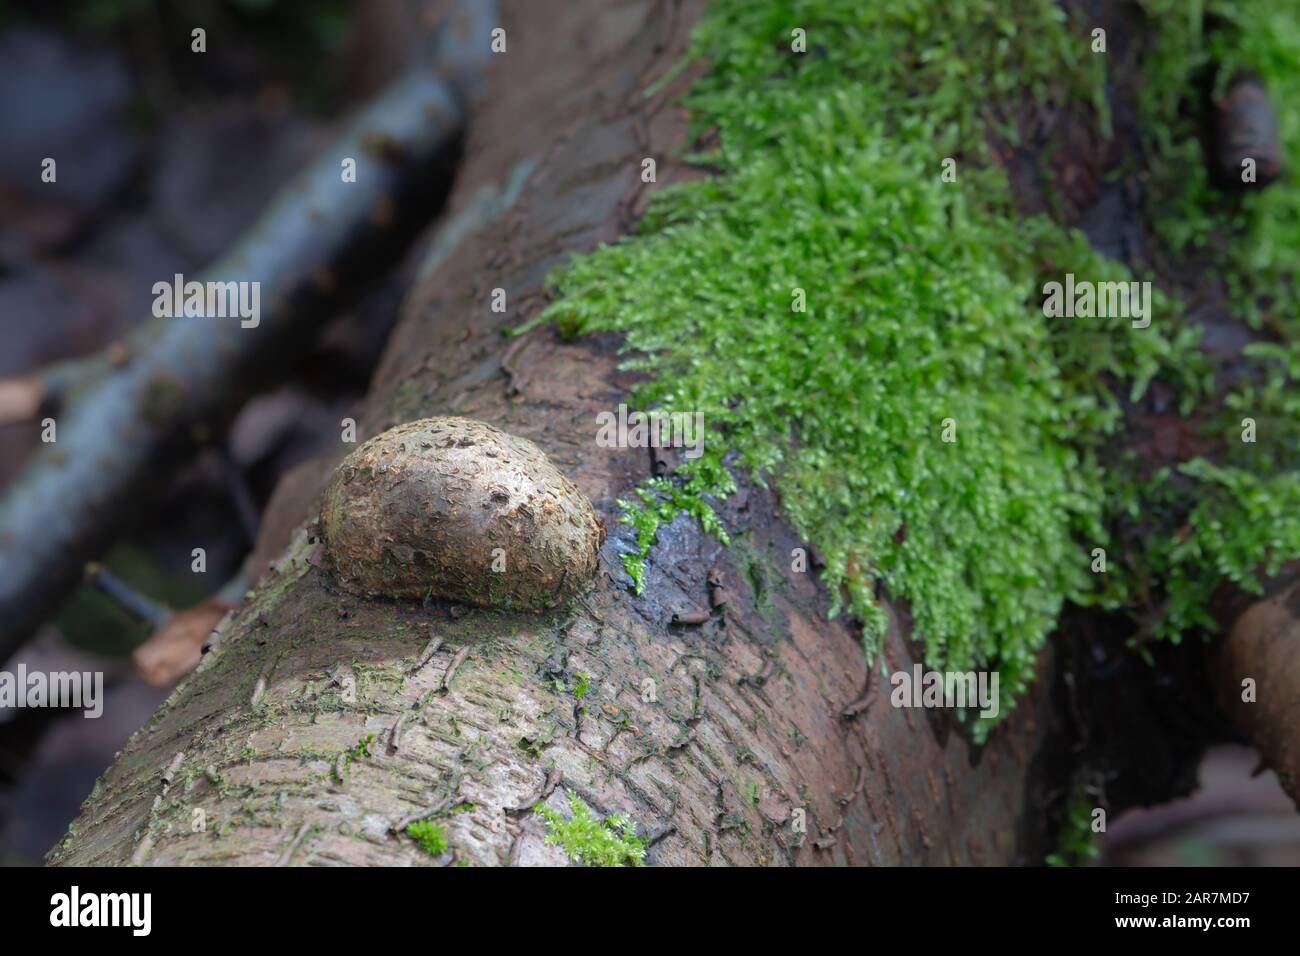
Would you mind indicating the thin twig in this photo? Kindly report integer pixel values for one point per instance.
(452, 797)
(137, 605)
(430, 649)
(259, 688)
(451, 668)
(507, 366)
(860, 705)
(395, 735)
(170, 773)
(401, 825)
(122, 434)
(548, 787)
(297, 841)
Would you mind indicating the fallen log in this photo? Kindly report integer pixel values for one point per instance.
(322, 724)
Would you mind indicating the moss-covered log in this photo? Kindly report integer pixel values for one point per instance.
(718, 710)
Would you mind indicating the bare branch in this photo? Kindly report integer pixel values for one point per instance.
(118, 436)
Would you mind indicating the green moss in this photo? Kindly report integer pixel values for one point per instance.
(588, 839)
(532, 746)
(583, 686)
(1076, 842)
(431, 838)
(660, 501)
(1232, 519)
(1195, 45)
(361, 749)
(923, 307)
(1241, 525)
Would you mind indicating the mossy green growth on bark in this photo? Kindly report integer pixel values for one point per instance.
(1076, 843)
(430, 837)
(1237, 517)
(588, 839)
(1208, 44)
(868, 333)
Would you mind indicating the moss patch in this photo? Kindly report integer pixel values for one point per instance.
(588, 839)
(1202, 46)
(836, 310)
(1234, 518)
(432, 839)
(1076, 842)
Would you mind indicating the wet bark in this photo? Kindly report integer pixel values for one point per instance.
(322, 722)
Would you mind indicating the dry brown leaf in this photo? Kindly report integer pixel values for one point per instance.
(175, 648)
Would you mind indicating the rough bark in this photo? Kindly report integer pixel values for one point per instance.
(1261, 645)
(748, 719)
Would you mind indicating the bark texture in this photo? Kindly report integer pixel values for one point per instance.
(457, 509)
(1257, 675)
(322, 721)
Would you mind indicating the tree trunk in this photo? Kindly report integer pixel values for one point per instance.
(315, 728)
